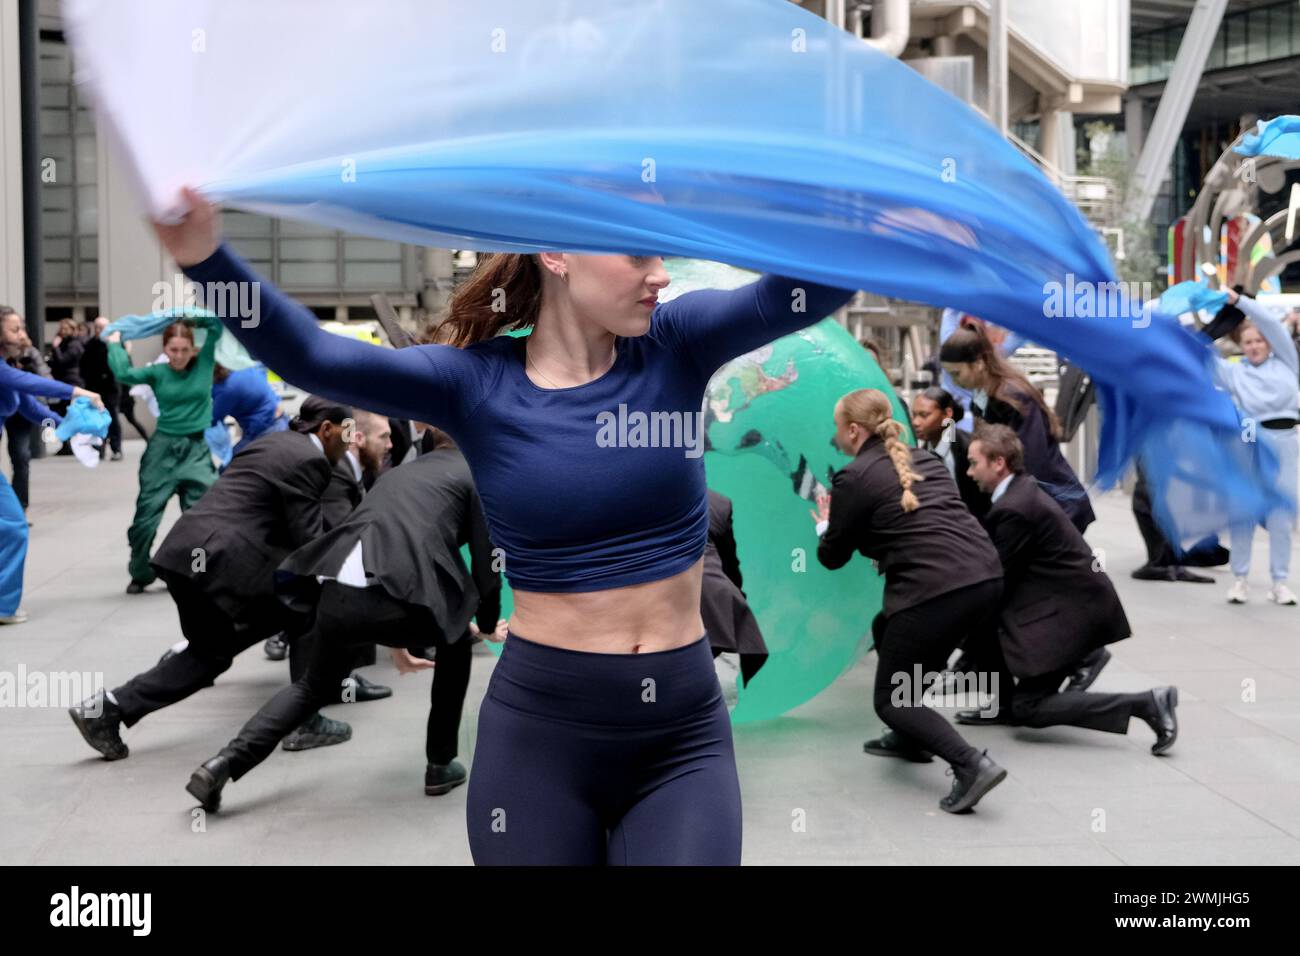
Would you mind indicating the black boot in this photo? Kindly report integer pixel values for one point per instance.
(1087, 670)
(98, 719)
(889, 744)
(971, 783)
(318, 731)
(439, 778)
(206, 783)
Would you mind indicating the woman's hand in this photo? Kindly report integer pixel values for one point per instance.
(408, 663)
(502, 631)
(196, 236)
(86, 393)
(1233, 298)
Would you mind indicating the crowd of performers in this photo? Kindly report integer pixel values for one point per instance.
(343, 529)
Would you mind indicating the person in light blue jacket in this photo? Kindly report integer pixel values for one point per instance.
(1265, 384)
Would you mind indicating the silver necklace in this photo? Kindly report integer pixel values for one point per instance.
(529, 361)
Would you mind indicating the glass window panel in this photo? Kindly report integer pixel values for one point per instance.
(372, 275)
(85, 122)
(259, 249)
(57, 247)
(1236, 27)
(58, 275)
(308, 275)
(56, 222)
(319, 250)
(87, 161)
(290, 228)
(88, 246)
(235, 224)
(54, 121)
(1279, 31)
(372, 250)
(88, 276)
(1257, 35)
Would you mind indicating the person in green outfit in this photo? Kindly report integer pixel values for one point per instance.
(177, 460)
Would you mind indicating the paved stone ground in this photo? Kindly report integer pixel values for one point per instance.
(1229, 793)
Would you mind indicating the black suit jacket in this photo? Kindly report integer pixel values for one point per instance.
(411, 526)
(1055, 607)
(937, 548)
(95, 370)
(730, 623)
(342, 494)
(975, 499)
(1043, 458)
(265, 504)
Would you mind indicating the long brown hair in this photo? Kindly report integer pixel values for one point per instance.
(1006, 383)
(503, 292)
(871, 409)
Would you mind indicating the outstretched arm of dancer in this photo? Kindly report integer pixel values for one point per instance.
(710, 327)
(35, 412)
(1271, 327)
(120, 363)
(432, 383)
(25, 383)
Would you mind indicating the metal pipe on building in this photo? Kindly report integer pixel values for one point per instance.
(999, 80)
(891, 25)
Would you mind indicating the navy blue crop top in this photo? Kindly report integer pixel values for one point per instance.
(570, 495)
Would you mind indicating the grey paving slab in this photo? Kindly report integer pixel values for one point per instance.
(1229, 792)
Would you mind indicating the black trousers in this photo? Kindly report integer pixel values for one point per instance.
(1159, 552)
(20, 432)
(214, 640)
(922, 637)
(114, 443)
(126, 405)
(347, 618)
(1040, 702)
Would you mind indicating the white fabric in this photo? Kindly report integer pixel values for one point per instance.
(1001, 488)
(315, 440)
(86, 448)
(351, 456)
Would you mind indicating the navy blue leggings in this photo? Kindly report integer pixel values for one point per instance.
(592, 759)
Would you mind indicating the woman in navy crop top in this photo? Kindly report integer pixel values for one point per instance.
(583, 440)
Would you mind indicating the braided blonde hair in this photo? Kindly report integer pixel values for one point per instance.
(871, 408)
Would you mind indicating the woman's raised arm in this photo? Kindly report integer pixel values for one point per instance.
(432, 383)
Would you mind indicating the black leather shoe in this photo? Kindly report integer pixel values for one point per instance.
(356, 689)
(1165, 723)
(98, 719)
(275, 648)
(978, 718)
(440, 778)
(318, 731)
(888, 744)
(206, 783)
(1089, 668)
(971, 783)
(1182, 574)
(1154, 572)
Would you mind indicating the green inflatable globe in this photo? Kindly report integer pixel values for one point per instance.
(769, 416)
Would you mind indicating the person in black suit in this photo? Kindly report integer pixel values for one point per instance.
(98, 376)
(1002, 396)
(728, 620)
(393, 573)
(218, 562)
(899, 507)
(1057, 606)
(935, 414)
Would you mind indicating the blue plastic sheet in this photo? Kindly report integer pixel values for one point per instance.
(750, 132)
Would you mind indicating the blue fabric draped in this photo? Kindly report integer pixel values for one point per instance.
(83, 418)
(229, 352)
(1191, 296)
(1278, 137)
(750, 132)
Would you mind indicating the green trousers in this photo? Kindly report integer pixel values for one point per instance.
(172, 465)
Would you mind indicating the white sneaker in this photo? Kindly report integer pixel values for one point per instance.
(1237, 593)
(20, 616)
(1279, 593)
